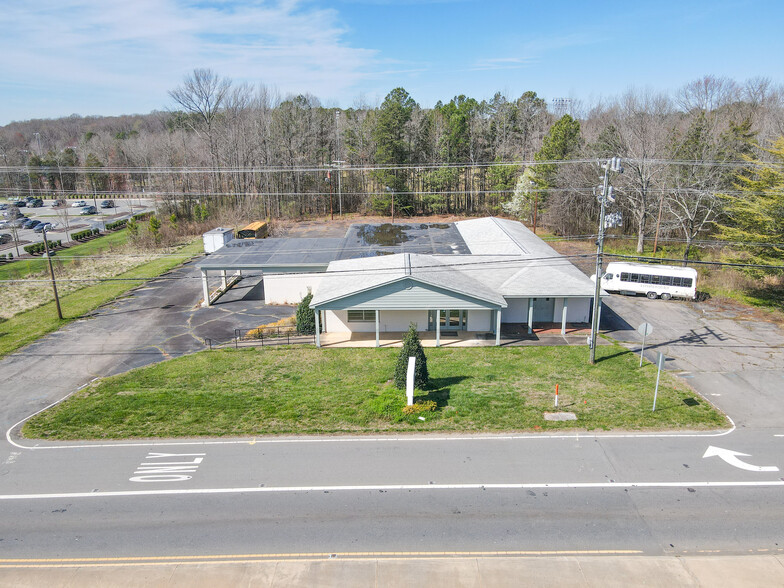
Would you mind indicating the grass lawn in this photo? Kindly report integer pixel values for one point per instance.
(28, 326)
(304, 390)
(25, 267)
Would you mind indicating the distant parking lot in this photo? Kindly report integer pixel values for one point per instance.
(65, 219)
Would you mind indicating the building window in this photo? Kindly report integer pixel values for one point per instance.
(361, 316)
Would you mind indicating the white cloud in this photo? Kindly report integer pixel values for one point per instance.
(145, 47)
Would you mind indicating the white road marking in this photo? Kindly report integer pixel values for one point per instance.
(369, 439)
(731, 457)
(167, 471)
(393, 487)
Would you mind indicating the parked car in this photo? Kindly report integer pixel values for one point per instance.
(35, 203)
(40, 227)
(5, 238)
(31, 223)
(107, 203)
(12, 213)
(21, 203)
(17, 223)
(58, 203)
(3, 206)
(78, 204)
(4, 224)
(89, 210)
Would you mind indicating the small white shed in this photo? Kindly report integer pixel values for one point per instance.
(217, 238)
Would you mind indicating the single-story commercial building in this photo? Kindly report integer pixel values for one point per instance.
(472, 275)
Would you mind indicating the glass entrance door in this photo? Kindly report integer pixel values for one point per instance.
(450, 319)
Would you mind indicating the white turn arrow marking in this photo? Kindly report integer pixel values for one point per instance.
(731, 457)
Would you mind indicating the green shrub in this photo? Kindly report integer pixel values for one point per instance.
(423, 406)
(306, 320)
(412, 347)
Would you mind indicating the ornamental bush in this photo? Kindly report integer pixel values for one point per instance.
(306, 320)
(412, 347)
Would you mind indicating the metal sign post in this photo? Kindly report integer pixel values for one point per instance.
(644, 329)
(660, 362)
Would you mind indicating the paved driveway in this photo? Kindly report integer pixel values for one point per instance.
(162, 319)
(731, 357)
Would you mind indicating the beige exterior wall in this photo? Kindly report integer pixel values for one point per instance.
(289, 288)
(389, 321)
(480, 320)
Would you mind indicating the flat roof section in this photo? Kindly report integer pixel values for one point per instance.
(261, 253)
(371, 240)
(361, 241)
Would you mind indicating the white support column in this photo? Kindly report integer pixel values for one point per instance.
(318, 328)
(378, 320)
(563, 316)
(438, 328)
(205, 288)
(530, 316)
(497, 328)
(223, 279)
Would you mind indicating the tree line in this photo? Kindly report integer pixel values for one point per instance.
(694, 159)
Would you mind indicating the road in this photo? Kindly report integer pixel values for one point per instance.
(652, 494)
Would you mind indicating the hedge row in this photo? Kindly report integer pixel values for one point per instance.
(116, 224)
(40, 248)
(86, 234)
(142, 216)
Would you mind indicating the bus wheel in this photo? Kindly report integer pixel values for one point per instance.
(652, 295)
(666, 296)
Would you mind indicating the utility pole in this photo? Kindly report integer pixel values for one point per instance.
(338, 161)
(339, 165)
(604, 197)
(51, 273)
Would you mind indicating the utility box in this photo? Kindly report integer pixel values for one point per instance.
(217, 238)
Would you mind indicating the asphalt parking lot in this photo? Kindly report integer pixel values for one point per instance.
(729, 354)
(160, 320)
(68, 216)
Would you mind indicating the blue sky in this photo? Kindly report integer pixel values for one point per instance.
(106, 57)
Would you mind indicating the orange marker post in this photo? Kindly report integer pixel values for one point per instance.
(556, 396)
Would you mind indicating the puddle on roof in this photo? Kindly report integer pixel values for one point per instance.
(438, 226)
(385, 235)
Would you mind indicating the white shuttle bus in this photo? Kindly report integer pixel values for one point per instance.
(665, 281)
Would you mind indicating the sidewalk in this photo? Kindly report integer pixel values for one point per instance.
(430, 572)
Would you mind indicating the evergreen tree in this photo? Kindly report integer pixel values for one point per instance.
(758, 215)
(306, 320)
(412, 347)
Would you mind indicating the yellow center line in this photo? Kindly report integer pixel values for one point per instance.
(253, 557)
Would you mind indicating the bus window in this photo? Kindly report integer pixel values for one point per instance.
(666, 280)
(608, 276)
(624, 277)
(676, 281)
(635, 278)
(645, 279)
(687, 282)
(655, 279)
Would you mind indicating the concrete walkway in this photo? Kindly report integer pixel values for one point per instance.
(548, 335)
(450, 572)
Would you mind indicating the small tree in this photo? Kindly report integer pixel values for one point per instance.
(155, 228)
(412, 347)
(306, 320)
